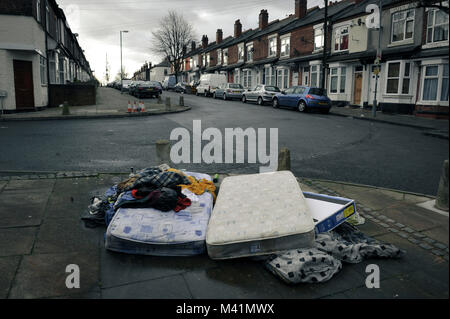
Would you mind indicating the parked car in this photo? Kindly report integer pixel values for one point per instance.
(209, 83)
(180, 87)
(169, 82)
(125, 85)
(132, 87)
(261, 94)
(147, 88)
(229, 91)
(304, 98)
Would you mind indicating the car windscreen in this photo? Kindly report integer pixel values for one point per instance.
(236, 86)
(316, 91)
(272, 89)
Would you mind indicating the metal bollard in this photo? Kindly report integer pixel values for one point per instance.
(163, 152)
(442, 195)
(65, 110)
(181, 101)
(159, 99)
(284, 159)
(167, 103)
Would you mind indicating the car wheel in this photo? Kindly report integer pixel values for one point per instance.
(244, 99)
(260, 101)
(302, 106)
(225, 97)
(275, 103)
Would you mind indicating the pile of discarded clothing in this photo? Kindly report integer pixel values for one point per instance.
(167, 212)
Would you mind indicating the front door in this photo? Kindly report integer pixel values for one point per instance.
(357, 88)
(23, 83)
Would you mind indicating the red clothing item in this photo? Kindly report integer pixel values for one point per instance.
(182, 203)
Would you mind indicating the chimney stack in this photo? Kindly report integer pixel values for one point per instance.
(219, 36)
(204, 41)
(300, 8)
(192, 45)
(237, 29)
(263, 19)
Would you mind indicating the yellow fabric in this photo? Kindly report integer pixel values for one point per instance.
(198, 187)
(176, 171)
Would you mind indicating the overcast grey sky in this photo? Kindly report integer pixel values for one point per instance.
(98, 23)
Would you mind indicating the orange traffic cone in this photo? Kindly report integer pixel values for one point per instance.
(134, 107)
(143, 107)
(129, 107)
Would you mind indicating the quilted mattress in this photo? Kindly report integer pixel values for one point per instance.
(149, 231)
(259, 214)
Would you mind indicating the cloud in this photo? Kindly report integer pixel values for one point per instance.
(99, 22)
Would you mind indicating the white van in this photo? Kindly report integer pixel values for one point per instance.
(209, 83)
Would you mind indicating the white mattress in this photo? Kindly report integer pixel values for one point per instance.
(259, 214)
(150, 231)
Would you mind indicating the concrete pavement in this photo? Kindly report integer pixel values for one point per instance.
(110, 104)
(41, 233)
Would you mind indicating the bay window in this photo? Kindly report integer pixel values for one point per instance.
(269, 75)
(315, 75)
(435, 83)
(437, 26)
(283, 78)
(398, 77)
(341, 39)
(247, 78)
(402, 25)
(337, 80)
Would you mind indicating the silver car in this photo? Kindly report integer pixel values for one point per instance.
(261, 94)
(229, 91)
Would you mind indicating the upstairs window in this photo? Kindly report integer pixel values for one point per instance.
(208, 59)
(250, 52)
(241, 52)
(225, 56)
(341, 39)
(38, 10)
(402, 25)
(285, 46)
(273, 46)
(318, 39)
(437, 26)
(219, 57)
(47, 19)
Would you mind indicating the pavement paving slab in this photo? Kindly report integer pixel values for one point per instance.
(44, 275)
(8, 268)
(17, 241)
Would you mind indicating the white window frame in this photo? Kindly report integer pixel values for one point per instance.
(246, 75)
(285, 41)
(219, 57)
(338, 35)
(38, 10)
(208, 59)
(433, 26)
(401, 77)
(439, 76)
(272, 39)
(249, 48)
(406, 20)
(43, 70)
(283, 80)
(269, 75)
(341, 77)
(315, 68)
(318, 33)
(241, 52)
(225, 57)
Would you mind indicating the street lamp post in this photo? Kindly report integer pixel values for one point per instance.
(121, 68)
(377, 63)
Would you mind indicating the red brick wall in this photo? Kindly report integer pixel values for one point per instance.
(233, 54)
(213, 60)
(298, 45)
(261, 46)
(442, 111)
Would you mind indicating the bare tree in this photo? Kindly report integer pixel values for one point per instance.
(171, 38)
(440, 4)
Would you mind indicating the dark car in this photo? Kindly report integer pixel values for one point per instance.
(303, 98)
(147, 89)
